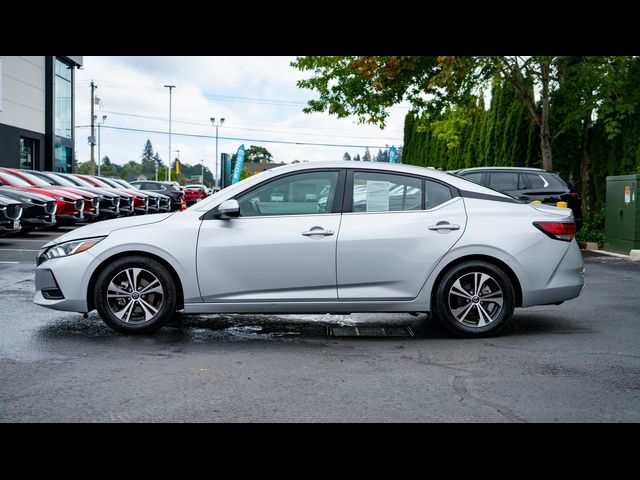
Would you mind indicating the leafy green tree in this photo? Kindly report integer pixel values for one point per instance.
(256, 154)
(366, 86)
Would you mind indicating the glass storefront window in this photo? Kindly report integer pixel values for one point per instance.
(62, 161)
(27, 151)
(63, 99)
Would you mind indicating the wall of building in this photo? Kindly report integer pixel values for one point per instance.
(22, 89)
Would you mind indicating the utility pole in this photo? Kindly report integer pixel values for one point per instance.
(213, 122)
(170, 87)
(92, 138)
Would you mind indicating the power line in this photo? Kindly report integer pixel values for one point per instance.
(240, 139)
(194, 122)
(210, 96)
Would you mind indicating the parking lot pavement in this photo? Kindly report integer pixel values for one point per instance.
(23, 248)
(576, 362)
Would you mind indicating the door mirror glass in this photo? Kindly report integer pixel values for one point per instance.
(229, 209)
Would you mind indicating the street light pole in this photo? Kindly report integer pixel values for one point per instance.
(170, 87)
(213, 122)
(104, 117)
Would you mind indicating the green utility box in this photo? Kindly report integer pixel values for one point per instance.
(622, 219)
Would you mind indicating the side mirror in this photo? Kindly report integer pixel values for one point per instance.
(229, 209)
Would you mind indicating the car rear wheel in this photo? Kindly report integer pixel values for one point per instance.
(475, 299)
(135, 295)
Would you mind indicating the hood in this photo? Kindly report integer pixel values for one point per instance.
(105, 227)
(4, 201)
(24, 195)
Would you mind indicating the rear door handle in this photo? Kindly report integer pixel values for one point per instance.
(444, 226)
(317, 231)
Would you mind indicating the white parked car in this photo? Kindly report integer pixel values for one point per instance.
(323, 238)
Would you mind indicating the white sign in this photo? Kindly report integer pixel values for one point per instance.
(377, 196)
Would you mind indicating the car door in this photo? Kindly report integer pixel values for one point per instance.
(282, 247)
(395, 228)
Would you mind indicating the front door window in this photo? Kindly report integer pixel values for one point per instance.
(301, 194)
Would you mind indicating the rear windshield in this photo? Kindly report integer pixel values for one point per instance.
(545, 181)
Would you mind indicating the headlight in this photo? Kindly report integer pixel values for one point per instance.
(68, 248)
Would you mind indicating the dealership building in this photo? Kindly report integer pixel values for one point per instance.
(37, 112)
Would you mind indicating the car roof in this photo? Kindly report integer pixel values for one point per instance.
(523, 169)
(383, 167)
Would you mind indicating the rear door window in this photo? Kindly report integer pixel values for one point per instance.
(506, 181)
(384, 192)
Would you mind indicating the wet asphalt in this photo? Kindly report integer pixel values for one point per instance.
(576, 362)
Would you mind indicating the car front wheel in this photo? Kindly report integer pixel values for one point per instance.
(135, 295)
(475, 299)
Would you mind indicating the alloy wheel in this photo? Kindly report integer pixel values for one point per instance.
(475, 299)
(135, 295)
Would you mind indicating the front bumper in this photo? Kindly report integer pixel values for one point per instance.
(70, 275)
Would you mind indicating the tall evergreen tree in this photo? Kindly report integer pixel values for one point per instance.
(367, 155)
(346, 156)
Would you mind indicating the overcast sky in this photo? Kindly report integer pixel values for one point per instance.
(257, 96)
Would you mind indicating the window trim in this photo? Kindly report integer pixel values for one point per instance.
(347, 204)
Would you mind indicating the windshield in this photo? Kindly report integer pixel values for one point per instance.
(15, 181)
(101, 183)
(109, 181)
(58, 180)
(36, 180)
(122, 183)
(77, 180)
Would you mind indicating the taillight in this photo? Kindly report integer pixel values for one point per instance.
(572, 195)
(558, 231)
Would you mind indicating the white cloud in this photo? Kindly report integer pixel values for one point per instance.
(206, 87)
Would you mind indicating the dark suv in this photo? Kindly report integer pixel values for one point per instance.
(166, 188)
(527, 184)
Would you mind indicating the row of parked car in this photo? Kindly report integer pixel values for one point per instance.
(31, 199)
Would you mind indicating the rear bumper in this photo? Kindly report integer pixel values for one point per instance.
(566, 281)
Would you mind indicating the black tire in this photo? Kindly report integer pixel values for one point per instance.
(477, 310)
(151, 268)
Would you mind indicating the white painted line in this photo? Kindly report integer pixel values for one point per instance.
(604, 252)
(16, 240)
(9, 262)
(16, 250)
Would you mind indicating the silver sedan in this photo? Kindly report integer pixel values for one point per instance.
(326, 237)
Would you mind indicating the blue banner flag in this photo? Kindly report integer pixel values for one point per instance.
(392, 154)
(239, 164)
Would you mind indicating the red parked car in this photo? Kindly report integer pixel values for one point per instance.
(194, 193)
(91, 200)
(140, 202)
(69, 206)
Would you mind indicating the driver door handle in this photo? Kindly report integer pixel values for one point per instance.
(317, 231)
(444, 226)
